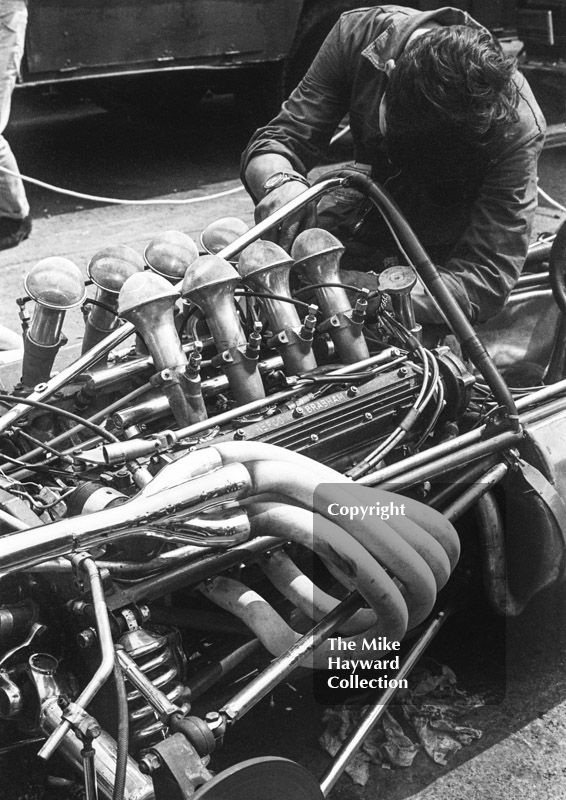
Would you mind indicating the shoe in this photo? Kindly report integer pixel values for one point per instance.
(13, 231)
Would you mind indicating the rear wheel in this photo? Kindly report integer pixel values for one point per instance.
(266, 778)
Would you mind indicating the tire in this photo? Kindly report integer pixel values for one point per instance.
(315, 24)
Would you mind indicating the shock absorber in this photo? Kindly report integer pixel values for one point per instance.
(157, 652)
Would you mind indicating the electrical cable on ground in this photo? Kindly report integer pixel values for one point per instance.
(158, 201)
(190, 200)
(113, 200)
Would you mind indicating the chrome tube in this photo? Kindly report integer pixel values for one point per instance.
(115, 453)
(148, 300)
(88, 565)
(42, 670)
(156, 406)
(220, 233)
(204, 568)
(100, 380)
(470, 496)
(56, 285)
(158, 700)
(123, 332)
(529, 279)
(386, 474)
(278, 216)
(24, 549)
(283, 666)
(541, 395)
(374, 713)
(67, 374)
(502, 441)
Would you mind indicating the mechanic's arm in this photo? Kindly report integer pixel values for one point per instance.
(298, 137)
(260, 169)
(489, 256)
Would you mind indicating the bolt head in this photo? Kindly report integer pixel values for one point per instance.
(149, 763)
(86, 638)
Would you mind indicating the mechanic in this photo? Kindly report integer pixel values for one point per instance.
(15, 220)
(441, 117)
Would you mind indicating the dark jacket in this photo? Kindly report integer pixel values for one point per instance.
(479, 235)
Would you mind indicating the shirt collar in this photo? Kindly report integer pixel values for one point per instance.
(392, 41)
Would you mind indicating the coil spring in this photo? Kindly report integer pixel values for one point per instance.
(158, 653)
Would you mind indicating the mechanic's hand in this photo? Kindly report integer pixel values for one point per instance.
(285, 234)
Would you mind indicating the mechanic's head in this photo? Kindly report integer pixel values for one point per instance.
(449, 96)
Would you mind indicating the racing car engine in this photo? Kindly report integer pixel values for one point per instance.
(176, 499)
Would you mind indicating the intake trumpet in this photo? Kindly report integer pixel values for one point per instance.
(147, 301)
(56, 285)
(210, 285)
(108, 269)
(317, 255)
(265, 268)
(222, 232)
(170, 255)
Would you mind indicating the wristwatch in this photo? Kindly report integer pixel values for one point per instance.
(279, 178)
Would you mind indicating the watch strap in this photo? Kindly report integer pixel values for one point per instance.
(279, 178)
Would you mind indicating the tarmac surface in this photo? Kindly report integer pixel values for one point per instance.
(522, 753)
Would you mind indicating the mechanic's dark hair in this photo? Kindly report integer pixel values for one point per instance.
(452, 87)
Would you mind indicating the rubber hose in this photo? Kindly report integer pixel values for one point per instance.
(557, 268)
(122, 739)
(458, 321)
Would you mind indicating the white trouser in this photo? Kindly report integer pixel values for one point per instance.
(13, 22)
